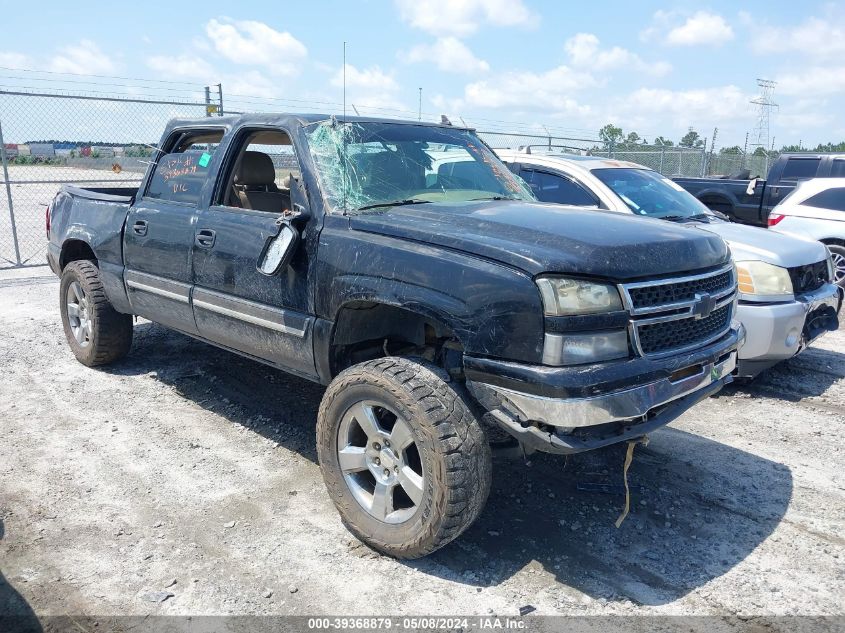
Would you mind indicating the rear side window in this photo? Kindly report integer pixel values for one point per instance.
(800, 168)
(551, 188)
(180, 174)
(837, 169)
(829, 199)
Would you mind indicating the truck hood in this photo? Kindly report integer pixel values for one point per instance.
(751, 242)
(541, 238)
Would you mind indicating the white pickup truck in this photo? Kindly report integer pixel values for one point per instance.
(786, 295)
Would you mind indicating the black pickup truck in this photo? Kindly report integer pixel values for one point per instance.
(750, 201)
(406, 268)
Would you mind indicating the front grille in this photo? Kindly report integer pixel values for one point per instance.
(680, 291)
(671, 315)
(809, 277)
(669, 335)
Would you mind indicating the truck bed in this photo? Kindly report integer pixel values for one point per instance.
(729, 196)
(106, 194)
(95, 217)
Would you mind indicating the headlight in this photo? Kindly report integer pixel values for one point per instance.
(581, 348)
(759, 279)
(565, 297)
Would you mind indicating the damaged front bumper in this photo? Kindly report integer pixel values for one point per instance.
(777, 331)
(576, 409)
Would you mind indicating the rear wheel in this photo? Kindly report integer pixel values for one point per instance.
(837, 253)
(404, 459)
(96, 332)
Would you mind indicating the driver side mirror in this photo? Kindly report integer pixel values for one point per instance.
(279, 250)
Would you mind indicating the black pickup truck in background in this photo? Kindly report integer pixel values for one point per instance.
(405, 267)
(750, 201)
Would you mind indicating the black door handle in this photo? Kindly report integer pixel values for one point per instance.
(205, 238)
(140, 227)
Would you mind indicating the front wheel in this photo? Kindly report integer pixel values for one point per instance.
(404, 459)
(96, 332)
(838, 255)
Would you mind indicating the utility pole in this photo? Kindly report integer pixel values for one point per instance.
(207, 101)
(5, 160)
(220, 95)
(419, 115)
(744, 153)
(765, 104)
(712, 149)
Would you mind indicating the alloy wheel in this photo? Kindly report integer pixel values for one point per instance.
(78, 314)
(838, 268)
(380, 461)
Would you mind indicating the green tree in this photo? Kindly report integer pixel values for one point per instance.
(733, 149)
(760, 151)
(662, 142)
(691, 139)
(611, 134)
(632, 139)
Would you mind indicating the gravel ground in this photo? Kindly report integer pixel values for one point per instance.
(190, 471)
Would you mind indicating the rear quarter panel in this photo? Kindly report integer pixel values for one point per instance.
(813, 225)
(99, 224)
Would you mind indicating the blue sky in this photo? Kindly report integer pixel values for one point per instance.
(652, 67)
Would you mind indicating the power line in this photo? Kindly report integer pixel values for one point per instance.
(98, 83)
(53, 72)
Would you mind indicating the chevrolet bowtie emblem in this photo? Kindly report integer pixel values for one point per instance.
(704, 305)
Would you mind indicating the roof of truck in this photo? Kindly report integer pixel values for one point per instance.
(290, 119)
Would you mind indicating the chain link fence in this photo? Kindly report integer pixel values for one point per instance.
(695, 162)
(47, 140)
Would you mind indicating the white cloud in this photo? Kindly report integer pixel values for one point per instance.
(813, 81)
(701, 107)
(527, 90)
(584, 52)
(188, 66)
(15, 60)
(84, 58)
(814, 37)
(677, 29)
(252, 84)
(372, 78)
(369, 87)
(257, 44)
(701, 28)
(464, 17)
(448, 54)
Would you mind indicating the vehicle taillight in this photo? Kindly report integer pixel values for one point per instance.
(774, 218)
(47, 221)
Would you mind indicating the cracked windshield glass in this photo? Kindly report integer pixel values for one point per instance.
(364, 166)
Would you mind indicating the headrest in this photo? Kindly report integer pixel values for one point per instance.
(255, 168)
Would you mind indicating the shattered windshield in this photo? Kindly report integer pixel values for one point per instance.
(648, 193)
(371, 165)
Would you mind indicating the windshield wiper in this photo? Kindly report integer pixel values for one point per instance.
(676, 218)
(494, 198)
(394, 203)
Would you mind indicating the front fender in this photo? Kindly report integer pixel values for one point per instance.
(494, 310)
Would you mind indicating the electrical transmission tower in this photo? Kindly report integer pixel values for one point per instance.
(764, 103)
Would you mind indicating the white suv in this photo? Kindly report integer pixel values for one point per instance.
(816, 209)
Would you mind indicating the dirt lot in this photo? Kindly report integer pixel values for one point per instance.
(188, 470)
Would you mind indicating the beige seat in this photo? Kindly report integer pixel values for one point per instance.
(255, 184)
